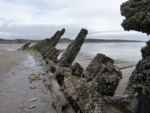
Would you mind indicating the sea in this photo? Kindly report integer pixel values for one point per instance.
(124, 51)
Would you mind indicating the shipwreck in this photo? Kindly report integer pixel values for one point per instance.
(93, 90)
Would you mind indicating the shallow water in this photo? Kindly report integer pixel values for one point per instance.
(114, 50)
(128, 51)
(11, 47)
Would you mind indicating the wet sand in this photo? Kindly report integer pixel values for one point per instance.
(15, 92)
(126, 73)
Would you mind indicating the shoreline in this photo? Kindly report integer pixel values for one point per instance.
(67, 40)
(84, 42)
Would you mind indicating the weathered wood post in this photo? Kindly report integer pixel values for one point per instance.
(25, 46)
(53, 42)
(72, 50)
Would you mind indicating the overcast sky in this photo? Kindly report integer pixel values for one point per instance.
(39, 19)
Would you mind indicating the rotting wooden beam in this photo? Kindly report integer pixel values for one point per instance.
(72, 50)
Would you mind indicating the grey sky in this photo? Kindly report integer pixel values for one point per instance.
(39, 19)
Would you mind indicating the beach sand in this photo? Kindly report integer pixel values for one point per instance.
(15, 92)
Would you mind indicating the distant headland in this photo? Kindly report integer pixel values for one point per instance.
(66, 40)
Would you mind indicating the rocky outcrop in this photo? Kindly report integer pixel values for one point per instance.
(137, 15)
(146, 50)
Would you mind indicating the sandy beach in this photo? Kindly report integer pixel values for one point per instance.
(15, 92)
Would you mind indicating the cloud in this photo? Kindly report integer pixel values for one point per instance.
(38, 19)
(46, 31)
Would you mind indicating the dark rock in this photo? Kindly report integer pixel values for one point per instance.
(52, 68)
(144, 103)
(146, 50)
(66, 107)
(77, 69)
